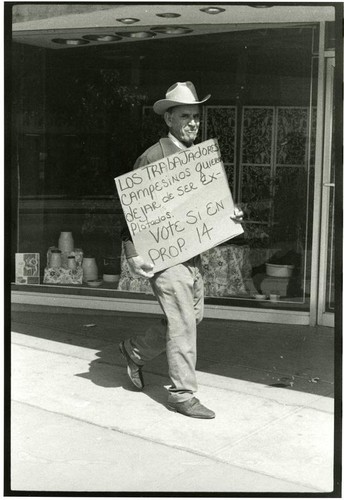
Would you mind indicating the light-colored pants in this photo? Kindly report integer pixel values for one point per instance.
(180, 293)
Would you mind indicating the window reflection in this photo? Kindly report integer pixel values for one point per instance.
(82, 116)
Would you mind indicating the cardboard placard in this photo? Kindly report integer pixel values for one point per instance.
(179, 206)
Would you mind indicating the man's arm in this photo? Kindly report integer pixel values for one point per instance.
(138, 267)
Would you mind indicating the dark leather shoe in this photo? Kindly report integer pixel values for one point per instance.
(134, 371)
(191, 408)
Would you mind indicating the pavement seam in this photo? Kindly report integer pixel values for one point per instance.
(235, 391)
(180, 448)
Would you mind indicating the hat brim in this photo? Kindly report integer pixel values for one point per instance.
(163, 105)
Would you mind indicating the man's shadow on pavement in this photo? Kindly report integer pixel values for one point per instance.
(109, 370)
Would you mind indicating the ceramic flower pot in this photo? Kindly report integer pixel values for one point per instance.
(90, 269)
(66, 242)
(55, 259)
(71, 262)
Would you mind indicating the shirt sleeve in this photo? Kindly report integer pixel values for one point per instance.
(128, 245)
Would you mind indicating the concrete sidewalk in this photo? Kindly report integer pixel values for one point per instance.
(77, 426)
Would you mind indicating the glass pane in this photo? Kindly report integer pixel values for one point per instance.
(278, 199)
(81, 116)
(69, 150)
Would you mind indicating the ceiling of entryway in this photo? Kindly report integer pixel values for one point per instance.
(63, 26)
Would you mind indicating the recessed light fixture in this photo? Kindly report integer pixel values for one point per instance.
(168, 14)
(137, 34)
(212, 10)
(70, 41)
(128, 20)
(260, 5)
(172, 30)
(102, 38)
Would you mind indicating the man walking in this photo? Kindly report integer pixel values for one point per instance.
(178, 289)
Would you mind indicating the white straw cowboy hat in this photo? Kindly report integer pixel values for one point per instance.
(179, 94)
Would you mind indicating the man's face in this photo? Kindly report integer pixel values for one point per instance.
(183, 122)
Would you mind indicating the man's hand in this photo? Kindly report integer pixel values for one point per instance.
(238, 214)
(139, 268)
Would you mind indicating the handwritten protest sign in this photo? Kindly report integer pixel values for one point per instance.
(179, 206)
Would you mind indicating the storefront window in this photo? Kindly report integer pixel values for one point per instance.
(82, 115)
